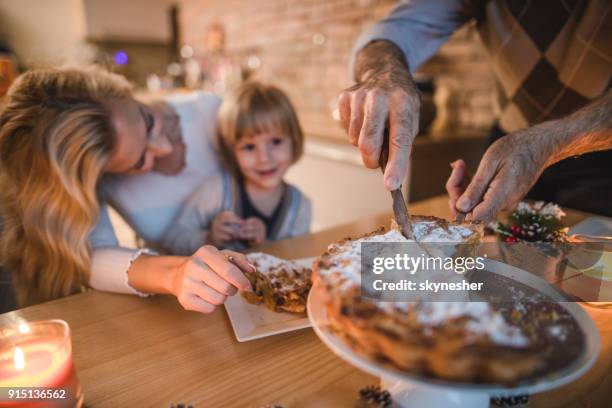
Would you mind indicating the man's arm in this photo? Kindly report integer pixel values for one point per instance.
(384, 93)
(512, 165)
(384, 58)
(587, 130)
(418, 28)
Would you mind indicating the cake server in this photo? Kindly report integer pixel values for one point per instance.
(400, 210)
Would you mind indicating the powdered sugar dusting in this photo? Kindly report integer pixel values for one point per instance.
(430, 231)
(345, 272)
(483, 319)
(347, 259)
(288, 274)
(558, 331)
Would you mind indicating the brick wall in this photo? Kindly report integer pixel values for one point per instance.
(304, 47)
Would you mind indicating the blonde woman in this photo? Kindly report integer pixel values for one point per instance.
(60, 132)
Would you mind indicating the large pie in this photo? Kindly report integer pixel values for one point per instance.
(478, 342)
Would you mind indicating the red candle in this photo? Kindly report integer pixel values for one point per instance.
(36, 368)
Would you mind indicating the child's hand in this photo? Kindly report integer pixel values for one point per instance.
(254, 231)
(226, 227)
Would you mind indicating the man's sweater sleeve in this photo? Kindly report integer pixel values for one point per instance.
(418, 28)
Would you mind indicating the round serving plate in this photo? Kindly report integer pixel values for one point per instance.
(415, 390)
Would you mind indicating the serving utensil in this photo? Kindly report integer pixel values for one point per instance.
(400, 210)
(591, 238)
(460, 217)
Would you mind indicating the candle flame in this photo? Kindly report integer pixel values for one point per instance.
(24, 328)
(19, 358)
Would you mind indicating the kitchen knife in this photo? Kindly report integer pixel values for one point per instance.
(460, 217)
(400, 211)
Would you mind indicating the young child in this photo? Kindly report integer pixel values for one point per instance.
(259, 138)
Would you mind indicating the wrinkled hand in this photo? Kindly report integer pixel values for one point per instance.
(167, 124)
(457, 183)
(226, 227)
(254, 231)
(205, 280)
(385, 92)
(508, 169)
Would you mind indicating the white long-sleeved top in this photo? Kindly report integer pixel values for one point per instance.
(150, 202)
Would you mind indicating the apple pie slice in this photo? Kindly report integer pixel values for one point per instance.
(281, 285)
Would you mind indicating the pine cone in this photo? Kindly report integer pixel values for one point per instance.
(375, 397)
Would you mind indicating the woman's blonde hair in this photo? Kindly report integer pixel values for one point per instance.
(56, 136)
(256, 108)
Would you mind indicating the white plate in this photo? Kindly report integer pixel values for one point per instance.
(593, 226)
(252, 322)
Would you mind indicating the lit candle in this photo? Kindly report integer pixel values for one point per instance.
(36, 368)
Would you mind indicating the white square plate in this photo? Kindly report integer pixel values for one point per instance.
(252, 322)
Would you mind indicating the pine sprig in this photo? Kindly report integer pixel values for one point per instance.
(536, 222)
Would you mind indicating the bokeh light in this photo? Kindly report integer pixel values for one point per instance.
(121, 58)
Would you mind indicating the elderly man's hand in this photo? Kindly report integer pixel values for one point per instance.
(511, 166)
(384, 92)
(508, 169)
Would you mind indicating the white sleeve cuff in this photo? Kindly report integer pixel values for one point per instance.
(110, 267)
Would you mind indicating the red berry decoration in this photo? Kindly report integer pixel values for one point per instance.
(533, 222)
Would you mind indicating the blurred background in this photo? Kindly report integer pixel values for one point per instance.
(302, 46)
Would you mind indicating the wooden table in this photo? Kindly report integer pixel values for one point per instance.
(150, 353)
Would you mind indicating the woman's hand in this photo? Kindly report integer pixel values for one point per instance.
(254, 231)
(226, 227)
(205, 280)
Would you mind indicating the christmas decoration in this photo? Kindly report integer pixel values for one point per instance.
(538, 222)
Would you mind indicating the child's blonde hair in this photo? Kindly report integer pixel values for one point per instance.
(255, 108)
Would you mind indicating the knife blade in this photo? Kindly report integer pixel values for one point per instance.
(400, 210)
(460, 217)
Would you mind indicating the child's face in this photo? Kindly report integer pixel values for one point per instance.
(264, 158)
